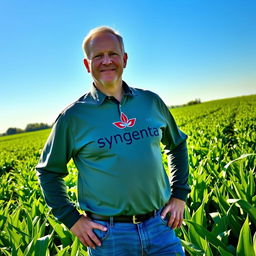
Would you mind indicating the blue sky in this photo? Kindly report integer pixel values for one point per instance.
(180, 49)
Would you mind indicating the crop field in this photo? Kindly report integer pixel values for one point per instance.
(220, 215)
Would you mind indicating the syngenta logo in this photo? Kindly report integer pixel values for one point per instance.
(125, 122)
(127, 137)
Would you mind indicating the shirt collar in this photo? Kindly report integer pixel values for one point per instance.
(99, 96)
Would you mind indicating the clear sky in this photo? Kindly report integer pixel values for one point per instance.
(180, 49)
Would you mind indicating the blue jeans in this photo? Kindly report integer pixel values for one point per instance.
(152, 237)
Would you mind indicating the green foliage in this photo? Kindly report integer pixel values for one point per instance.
(36, 126)
(193, 102)
(245, 246)
(222, 148)
(29, 128)
(13, 130)
(220, 215)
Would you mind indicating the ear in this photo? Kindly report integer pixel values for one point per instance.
(86, 63)
(125, 58)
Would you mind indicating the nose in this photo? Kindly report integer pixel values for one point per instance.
(106, 59)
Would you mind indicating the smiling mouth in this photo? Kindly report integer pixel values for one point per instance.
(107, 70)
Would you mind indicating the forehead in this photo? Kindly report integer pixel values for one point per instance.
(104, 42)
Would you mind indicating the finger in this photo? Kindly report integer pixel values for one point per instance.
(180, 223)
(94, 239)
(175, 223)
(98, 226)
(164, 212)
(171, 220)
(83, 240)
(181, 220)
(89, 242)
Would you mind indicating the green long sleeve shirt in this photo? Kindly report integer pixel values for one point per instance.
(116, 149)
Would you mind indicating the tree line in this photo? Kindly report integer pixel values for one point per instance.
(29, 128)
(40, 126)
(192, 102)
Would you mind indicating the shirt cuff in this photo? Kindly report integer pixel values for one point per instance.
(70, 219)
(181, 194)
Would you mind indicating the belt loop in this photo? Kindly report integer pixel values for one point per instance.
(155, 213)
(111, 221)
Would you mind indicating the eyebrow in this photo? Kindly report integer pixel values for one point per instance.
(102, 53)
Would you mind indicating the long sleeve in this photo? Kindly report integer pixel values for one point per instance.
(51, 170)
(174, 141)
(178, 166)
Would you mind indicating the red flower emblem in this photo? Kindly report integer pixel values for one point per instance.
(125, 122)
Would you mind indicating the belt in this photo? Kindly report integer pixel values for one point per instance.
(135, 219)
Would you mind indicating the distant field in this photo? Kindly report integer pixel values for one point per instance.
(220, 217)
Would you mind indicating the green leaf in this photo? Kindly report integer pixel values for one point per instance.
(3, 220)
(251, 189)
(15, 216)
(224, 206)
(192, 249)
(245, 246)
(248, 208)
(64, 235)
(14, 251)
(207, 249)
(185, 233)
(41, 230)
(234, 220)
(75, 247)
(29, 222)
(83, 250)
(63, 251)
(239, 158)
(239, 190)
(6, 210)
(199, 218)
(30, 248)
(5, 252)
(254, 243)
(220, 224)
(224, 252)
(41, 245)
(18, 230)
(14, 237)
(205, 234)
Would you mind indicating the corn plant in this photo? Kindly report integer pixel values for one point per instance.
(220, 214)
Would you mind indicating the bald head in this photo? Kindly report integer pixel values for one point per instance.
(96, 32)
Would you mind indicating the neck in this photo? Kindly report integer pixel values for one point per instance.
(115, 90)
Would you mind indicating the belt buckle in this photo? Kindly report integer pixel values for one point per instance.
(134, 220)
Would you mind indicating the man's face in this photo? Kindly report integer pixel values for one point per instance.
(106, 60)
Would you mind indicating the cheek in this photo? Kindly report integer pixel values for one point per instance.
(94, 66)
(118, 63)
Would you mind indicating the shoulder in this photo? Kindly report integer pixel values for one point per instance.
(145, 93)
(148, 95)
(75, 107)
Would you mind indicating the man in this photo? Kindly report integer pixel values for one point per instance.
(113, 134)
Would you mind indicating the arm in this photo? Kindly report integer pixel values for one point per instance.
(174, 141)
(51, 170)
(178, 165)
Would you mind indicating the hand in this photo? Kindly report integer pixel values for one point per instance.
(175, 207)
(83, 229)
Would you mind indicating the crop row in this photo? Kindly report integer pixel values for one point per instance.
(220, 215)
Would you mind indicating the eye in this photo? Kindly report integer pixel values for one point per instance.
(113, 54)
(98, 56)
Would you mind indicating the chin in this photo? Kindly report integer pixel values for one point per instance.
(108, 83)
